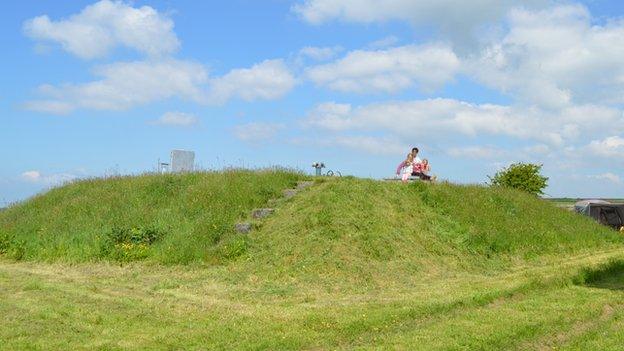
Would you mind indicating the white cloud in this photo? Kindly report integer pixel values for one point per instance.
(538, 149)
(556, 57)
(610, 177)
(612, 146)
(178, 119)
(385, 42)
(49, 106)
(101, 27)
(476, 152)
(464, 130)
(31, 175)
(373, 145)
(320, 53)
(376, 145)
(436, 117)
(457, 19)
(48, 180)
(428, 66)
(426, 118)
(256, 132)
(332, 116)
(270, 79)
(125, 85)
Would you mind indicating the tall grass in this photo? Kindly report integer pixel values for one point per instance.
(498, 220)
(340, 228)
(190, 213)
(354, 232)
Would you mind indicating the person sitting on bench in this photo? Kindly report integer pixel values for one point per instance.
(423, 170)
(416, 165)
(407, 167)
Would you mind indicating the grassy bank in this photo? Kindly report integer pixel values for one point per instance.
(184, 218)
(164, 218)
(346, 264)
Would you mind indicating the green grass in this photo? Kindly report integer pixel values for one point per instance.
(99, 306)
(356, 234)
(346, 264)
(190, 214)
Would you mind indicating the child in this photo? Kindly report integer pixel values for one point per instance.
(425, 168)
(422, 169)
(407, 167)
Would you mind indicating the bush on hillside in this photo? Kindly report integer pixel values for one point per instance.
(128, 244)
(522, 176)
(11, 246)
(5, 242)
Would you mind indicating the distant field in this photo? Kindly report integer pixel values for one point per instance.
(346, 264)
(569, 202)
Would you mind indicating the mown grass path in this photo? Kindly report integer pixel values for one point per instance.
(101, 306)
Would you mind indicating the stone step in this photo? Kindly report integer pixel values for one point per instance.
(304, 184)
(243, 228)
(261, 213)
(288, 193)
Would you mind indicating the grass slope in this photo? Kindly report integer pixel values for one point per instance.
(346, 264)
(190, 213)
(352, 232)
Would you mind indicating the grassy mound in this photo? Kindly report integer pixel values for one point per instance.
(339, 228)
(346, 264)
(369, 232)
(166, 218)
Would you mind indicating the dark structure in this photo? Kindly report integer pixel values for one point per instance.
(604, 212)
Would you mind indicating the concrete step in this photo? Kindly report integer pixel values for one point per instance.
(288, 193)
(261, 213)
(304, 184)
(243, 228)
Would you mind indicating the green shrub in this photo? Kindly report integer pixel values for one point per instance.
(5, 242)
(522, 176)
(235, 247)
(12, 247)
(137, 236)
(17, 249)
(128, 244)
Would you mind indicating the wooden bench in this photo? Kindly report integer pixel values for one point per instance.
(398, 179)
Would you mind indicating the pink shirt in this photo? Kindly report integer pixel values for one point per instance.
(416, 164)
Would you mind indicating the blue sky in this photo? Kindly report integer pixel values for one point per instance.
(96, 88)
